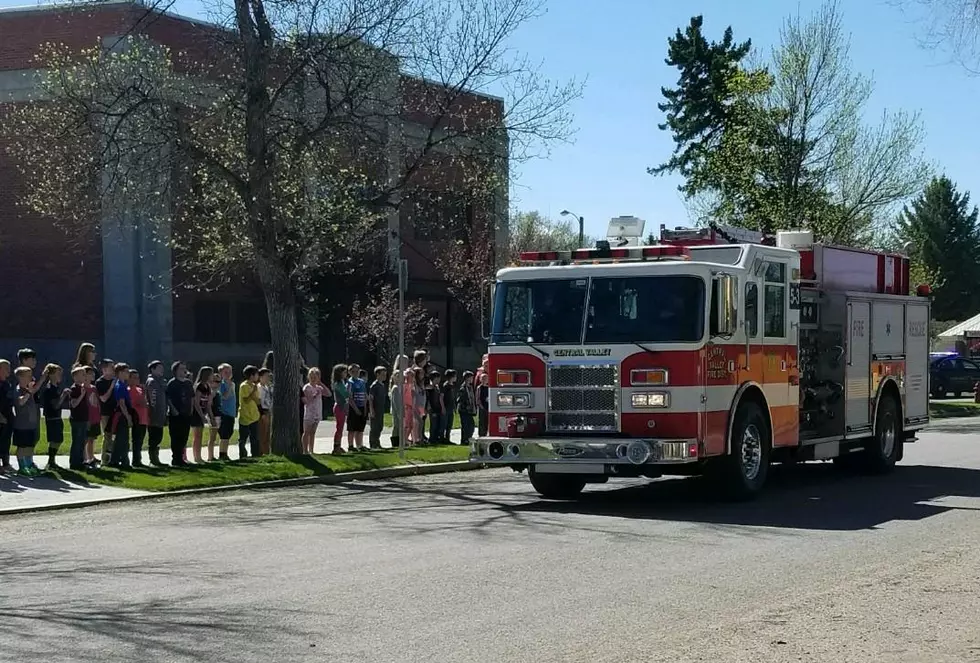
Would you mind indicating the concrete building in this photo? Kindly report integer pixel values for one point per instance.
(115, 287)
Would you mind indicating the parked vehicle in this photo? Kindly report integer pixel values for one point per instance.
(953, 375)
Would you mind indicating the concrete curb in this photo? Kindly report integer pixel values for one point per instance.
(327, 479)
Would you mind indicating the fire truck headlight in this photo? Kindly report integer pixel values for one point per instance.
(522, 400)
(658, 399)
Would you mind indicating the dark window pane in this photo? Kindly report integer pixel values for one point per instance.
(252, 323)
(212, 321)
(775, 272)
(775, 312)
(752, 308)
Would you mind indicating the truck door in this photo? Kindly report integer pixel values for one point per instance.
(857, 413)
(783, 407)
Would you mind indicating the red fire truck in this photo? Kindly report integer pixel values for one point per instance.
(718, 351)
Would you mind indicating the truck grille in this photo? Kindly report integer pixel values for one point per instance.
(583, 398)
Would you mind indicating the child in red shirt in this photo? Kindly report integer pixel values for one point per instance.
(141, 415)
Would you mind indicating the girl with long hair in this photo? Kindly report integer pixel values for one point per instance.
(418, 406)
(201, 413)
(85, 355)
(396, 399)
(216, 415)
(313, 392)
(341, 399)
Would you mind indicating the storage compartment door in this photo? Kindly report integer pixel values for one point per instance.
(858, 391)
(917, 361)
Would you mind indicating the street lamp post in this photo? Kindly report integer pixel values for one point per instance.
(581, 226)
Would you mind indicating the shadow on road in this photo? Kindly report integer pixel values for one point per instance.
(805, 497)
(119, 626)
(810, 496)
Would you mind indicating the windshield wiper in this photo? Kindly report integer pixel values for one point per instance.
(523, 339)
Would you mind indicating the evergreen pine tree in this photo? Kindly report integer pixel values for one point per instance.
(944, 235)
(697, 109)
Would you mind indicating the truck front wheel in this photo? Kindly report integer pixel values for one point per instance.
(744, 471)
(557, 486)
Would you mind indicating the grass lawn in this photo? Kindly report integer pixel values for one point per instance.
(939, 410)
(267, 468)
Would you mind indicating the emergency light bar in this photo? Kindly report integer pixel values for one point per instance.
(606, 254)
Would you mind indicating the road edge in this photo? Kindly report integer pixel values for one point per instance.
(327, 479)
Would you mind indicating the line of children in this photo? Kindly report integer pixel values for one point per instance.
(125, 412)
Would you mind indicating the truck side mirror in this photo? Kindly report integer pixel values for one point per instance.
(486, 308)
(724, 305)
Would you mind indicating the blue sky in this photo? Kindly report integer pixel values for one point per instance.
(620, 45)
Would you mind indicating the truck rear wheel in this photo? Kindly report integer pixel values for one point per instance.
(557, 486)
(881, 451)
(743, 472)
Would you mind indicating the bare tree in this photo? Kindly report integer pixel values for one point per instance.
(952, 26)
(833, 172)
(287, 149)
(375, 323)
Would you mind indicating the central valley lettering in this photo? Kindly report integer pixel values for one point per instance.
(584, 352)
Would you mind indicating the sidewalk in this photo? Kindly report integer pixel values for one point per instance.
(19, 493)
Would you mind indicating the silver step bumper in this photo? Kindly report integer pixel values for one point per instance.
(571, 451)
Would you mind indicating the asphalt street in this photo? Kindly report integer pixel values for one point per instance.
(475, 567)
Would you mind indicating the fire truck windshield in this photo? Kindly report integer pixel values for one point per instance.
(544, 311)
(656, 309)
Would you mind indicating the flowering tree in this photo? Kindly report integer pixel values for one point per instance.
(374, 322)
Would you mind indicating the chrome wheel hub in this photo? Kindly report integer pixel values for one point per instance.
(751, 452)
(888, 439)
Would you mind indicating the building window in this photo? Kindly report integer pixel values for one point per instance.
(252, 323)
(212, 321)
(438, 216)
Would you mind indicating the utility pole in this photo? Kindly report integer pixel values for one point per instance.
(402, 285)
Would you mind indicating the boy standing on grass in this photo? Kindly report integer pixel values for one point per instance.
(466, 401)
(180, 398)
(228, 410)
(436, 408)
(6, 416)
(26, 421)
(122, 418)
(377, 405)
(94, 417)
(141, 415)
(156, 401)
(107, 403)
(78, 418)
(27, 357)
(449, 405)
(52, 402)
(248, 415)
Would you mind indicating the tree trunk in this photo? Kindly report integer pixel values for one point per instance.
(281, 304)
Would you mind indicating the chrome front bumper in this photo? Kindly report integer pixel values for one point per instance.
(572, 451)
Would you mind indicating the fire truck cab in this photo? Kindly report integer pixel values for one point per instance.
(718, 351)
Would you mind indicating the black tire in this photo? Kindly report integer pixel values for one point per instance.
(743, 472)
(557, 486)
(939, 392)
(881, 451)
